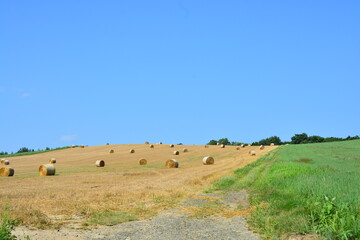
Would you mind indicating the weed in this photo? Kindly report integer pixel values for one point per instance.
(332, 220)
(7, 227)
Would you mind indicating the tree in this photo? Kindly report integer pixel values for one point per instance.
(315, 139)
(23, 149)
(267, 141)
(212, 142)
(299, 138)
(224, 141)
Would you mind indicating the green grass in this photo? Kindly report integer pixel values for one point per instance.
(304, 189)
(111, 218)
(6, 228)
(31, 153)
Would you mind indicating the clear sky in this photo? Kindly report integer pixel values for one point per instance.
(91, 72)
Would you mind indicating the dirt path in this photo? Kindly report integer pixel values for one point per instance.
(172, 224)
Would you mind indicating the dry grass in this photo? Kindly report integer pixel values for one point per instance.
(83, 190)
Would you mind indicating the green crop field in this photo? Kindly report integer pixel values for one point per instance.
(303, 189)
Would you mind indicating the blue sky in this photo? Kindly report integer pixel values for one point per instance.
(91, 72)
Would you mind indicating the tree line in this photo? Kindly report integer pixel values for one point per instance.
(29, 150)
(296, 139)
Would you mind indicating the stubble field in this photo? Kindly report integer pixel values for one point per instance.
(82, 194)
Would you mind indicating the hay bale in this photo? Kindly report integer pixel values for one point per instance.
(222, 146)
(52, 160)
(176, 152)
(206, 146)
(218, 144)
(146, 142)
(5, 162)
(132, 150)
(185, 150)
(208, 160)
(242, 145)
(47, 170)
(111, 151)
(7, 172)
(261, 147)
(249, 145)
(272, 144)
(142, 161)
(252, 153)
(171, 145)
(100, 163)
(237, 148)
(82, 146)
(171, 163)
(151, 146)
(72, 146)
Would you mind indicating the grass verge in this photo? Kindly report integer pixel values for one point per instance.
(303, 189)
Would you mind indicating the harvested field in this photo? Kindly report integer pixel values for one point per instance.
(122, 185)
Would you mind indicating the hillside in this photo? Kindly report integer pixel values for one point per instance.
(80, 191)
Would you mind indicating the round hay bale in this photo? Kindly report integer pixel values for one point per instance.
(52, 160)
(208, 160)
(242, 145)
(252, 153)
(111, 151)
(5, 162)
(47, 170)
(206, 146)
(237, 148)
(7, 172)
(82, 146)
(218, 144)
(185, 150)
(132, 150)
(176, 152)
(222, 146)
(249, 145)
(142, 161)
(151, 146)
(261, 147)
(100, 163)
(272, 144)
(171, 145)
(72, 146)
(146, 142)
(171, 163)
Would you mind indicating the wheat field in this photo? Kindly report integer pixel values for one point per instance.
(80, 189)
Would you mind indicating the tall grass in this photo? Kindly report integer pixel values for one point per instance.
(301, 189)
